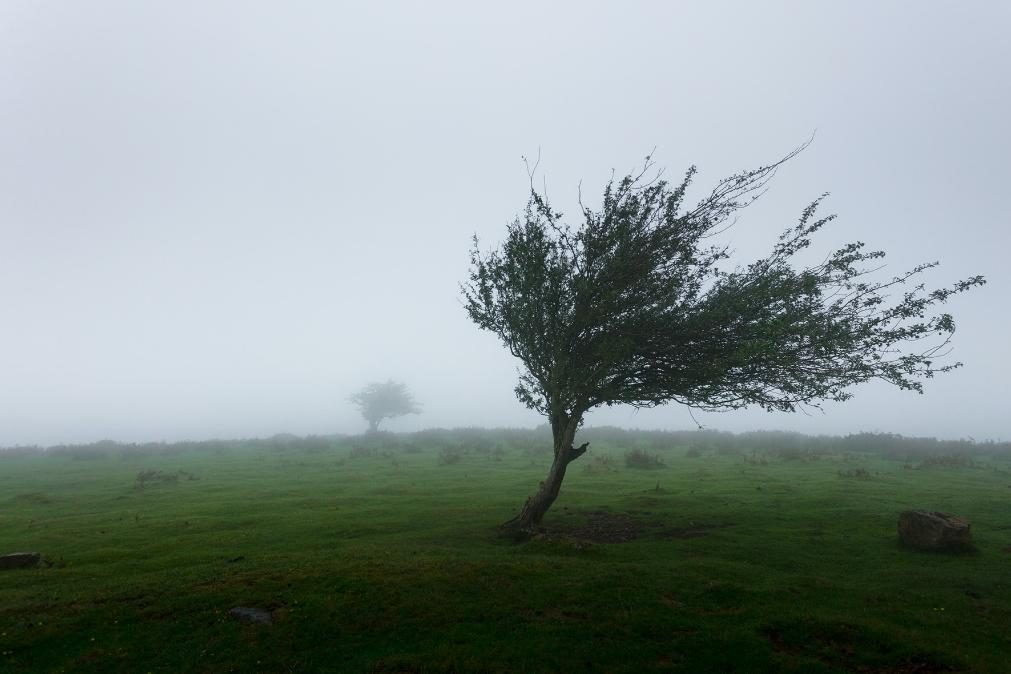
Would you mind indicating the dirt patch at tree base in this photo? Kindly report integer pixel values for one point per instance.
(605, 527)
(602, 526)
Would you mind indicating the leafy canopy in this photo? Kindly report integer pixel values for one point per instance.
(383, 400)
(635, 306)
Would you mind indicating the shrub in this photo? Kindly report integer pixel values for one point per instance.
(153, 477)
(450, 455)
(860, 473)
(638, 458)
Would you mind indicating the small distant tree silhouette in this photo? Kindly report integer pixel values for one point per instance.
(384, 400)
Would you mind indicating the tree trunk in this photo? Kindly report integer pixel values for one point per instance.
(374, 425)
(564, 431)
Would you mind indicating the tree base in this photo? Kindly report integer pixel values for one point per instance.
(519, 529)
(528, 522)
(517, 534)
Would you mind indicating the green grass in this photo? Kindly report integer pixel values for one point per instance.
(392, 564)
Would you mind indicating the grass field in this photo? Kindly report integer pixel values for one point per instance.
(383, 557)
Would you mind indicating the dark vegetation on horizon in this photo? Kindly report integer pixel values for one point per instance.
(781, 444)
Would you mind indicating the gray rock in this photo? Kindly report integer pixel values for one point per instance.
(19, 560)
(251, 616)
(934, 531)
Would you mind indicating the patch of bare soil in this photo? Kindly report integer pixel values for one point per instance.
(601, 526)
(605, 527)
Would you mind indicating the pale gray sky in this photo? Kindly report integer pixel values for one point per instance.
(221, 218)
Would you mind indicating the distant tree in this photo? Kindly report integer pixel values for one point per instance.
(634, 307)
(384, 400)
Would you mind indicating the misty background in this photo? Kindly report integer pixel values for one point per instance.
(220, 219)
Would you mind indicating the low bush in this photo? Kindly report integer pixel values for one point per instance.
(156, 477)
(638, 458)
(450, 455)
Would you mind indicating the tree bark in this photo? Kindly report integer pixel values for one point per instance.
(529, 518)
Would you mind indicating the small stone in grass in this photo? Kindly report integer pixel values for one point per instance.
(19, 560)
(251, 616)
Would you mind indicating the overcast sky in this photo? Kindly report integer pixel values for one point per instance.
(218, 219)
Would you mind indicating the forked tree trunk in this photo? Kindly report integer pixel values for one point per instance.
(563, 430)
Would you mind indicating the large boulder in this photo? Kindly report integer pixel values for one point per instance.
(927, 530)
(19, 560)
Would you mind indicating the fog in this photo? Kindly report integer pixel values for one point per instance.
(221, 219)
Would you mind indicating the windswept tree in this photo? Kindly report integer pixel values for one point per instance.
(384, 400)
(635, 306)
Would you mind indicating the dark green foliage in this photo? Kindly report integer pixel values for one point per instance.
(384, 400)
(632, 306)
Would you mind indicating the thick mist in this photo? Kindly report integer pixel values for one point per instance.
(221, 220)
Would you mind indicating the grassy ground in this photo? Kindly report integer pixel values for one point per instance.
(388, 561)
